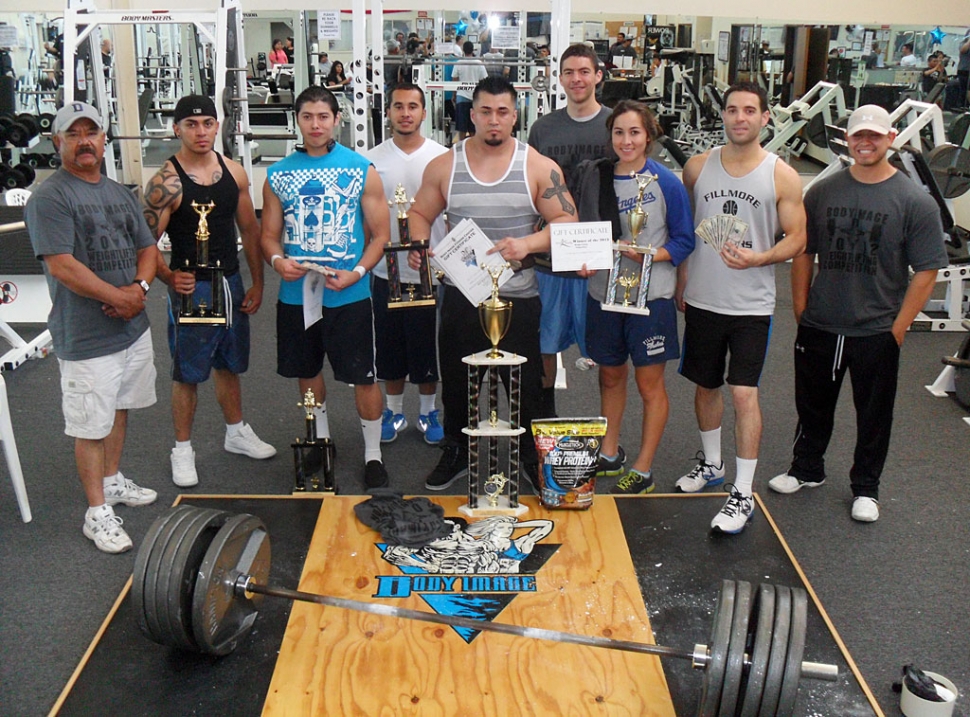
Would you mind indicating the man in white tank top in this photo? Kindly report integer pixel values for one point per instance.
(728, 297)
(523, 186)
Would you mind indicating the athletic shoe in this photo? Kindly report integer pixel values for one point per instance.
(183, 467)
(634, 483)
(704, 474)
(247, 443)
(124, 491)
(735, 514)
(106, 532)
(452, 466)
(430, 426)
(391, 425)
(611, 466)
(375, 475)
(785, 483)
(865, 509)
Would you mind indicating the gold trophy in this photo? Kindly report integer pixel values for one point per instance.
(619, 276)
(200, 307)
(313, 457)
(495, 314)
(416, 295)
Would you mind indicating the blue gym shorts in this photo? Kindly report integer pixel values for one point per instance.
(563, 320)
(612, 336)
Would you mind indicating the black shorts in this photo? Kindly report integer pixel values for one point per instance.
(406, 339)
(709, 337)
(463, 116)
(345, 335)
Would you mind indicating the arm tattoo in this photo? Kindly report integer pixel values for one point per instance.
(162, 191)
(560, 191)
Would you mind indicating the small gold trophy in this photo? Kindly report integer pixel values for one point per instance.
(421, 294)
(205, 305)
(622, 277)
(313, 457)
(495, 314)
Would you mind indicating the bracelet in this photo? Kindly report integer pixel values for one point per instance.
(360, 270)
(272, 260)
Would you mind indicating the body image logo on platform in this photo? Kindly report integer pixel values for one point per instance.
(475, 572)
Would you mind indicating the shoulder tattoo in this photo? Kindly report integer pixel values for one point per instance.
(162, 191)
(559, 191)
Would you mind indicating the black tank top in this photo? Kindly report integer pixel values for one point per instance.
(184, 221)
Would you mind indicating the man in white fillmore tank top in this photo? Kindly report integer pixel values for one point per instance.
(506, 187)
(728, 297)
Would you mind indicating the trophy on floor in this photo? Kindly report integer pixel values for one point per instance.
(635, 284)
(500, 489)
(208, 310)
(313, 457)
(408, 295)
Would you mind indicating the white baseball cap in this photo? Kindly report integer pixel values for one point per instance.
(71, 113)
(869, 117)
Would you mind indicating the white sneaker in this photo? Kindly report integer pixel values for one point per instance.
(125, 491)
(704, 474)
(106, 532)
(735, 514)
(183, 467)
(247, 443)
(865, 510)
(785, 483)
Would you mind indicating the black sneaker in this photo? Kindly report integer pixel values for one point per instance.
(611, 467)
(452, 466)
(375, 475)
(634, 483)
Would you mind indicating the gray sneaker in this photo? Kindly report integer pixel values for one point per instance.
(125, 491)
(247, 443)
(106, 532)
(865, 509)
(704, 474)
(787, 484)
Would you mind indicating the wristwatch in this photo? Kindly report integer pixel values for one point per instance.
(145, 286)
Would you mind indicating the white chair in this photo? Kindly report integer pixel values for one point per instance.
(10, 453)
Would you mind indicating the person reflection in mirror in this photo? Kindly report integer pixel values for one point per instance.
(337, 79)
(277, 56)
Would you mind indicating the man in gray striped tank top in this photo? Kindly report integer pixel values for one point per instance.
(728, 296)
(506, 187)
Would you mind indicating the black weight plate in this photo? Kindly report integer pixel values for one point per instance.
(46, 121)
(779, 651)
(220, 617)
(28, 171)
(195, 539)
(17, 135)
(12, 179)
(54, 160)
(152, 602)
(958, 129)
(151, 542)
(762, 620)
(167, 565)
(815, 131)
(951, 169)
(836, 136)
(31, 123)
(796, 649)
(717, 660)
(734, 667)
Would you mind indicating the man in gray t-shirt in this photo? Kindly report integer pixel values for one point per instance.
(867, 225)
(99, 257)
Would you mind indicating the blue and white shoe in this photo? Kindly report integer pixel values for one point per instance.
(430, 426)
(391, 425)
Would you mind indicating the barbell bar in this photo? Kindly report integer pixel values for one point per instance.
(200, 577)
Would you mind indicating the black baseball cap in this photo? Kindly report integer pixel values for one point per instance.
(194, 106)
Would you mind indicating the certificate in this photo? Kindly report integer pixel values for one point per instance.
(589, 243)
(461, 256)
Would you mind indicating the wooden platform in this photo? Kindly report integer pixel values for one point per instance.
(581, 572)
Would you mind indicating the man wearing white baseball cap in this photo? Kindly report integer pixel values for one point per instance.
(867, 225)
(99, 257)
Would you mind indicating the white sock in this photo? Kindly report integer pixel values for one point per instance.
(97, 511)
(323, 423)
(427, 403)
(395, 403)
(234, 428)
(744, 481)
(111, 480)
(184, 444)
(372, 439)
(711, 443)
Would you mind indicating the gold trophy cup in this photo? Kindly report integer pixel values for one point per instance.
(412, 295)
(494, 313)
(620, 276)
(199, 308)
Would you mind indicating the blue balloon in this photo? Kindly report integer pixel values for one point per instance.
(937, 35)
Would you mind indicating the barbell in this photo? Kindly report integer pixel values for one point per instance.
(200, 576)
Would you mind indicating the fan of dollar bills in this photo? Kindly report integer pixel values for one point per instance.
(720, 229)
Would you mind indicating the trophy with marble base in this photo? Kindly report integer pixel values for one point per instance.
(408, 295)
(635, 285)
(498, 493)
(313, 457)
(208, 310)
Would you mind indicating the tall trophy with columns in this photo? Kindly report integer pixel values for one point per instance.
(204, 306)
(626, 290)
(407, 295)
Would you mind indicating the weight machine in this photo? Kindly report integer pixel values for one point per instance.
(825, 99)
